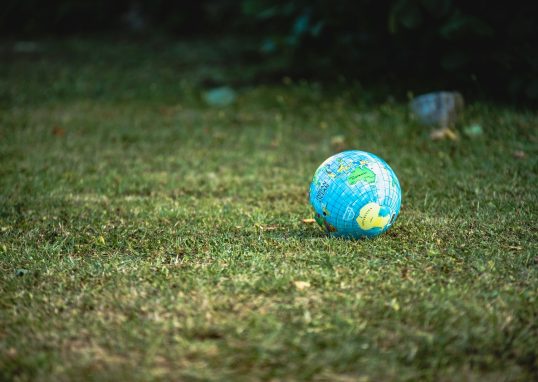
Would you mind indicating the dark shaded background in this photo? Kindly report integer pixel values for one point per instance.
(484, 48)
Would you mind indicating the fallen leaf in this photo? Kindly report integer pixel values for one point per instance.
(309, 221)
(338, 140)
(301, 285)
(443, 133)
(168, 111)
(268, 227)
(519, 154)
(58, 131)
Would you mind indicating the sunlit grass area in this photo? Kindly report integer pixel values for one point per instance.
(145, 235)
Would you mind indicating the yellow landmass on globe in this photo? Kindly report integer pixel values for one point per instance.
(369, 217)
(343, 167)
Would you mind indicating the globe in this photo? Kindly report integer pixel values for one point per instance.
(355, 194)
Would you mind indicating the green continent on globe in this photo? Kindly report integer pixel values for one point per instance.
(361, 173)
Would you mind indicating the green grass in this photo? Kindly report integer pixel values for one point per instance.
(146, 236)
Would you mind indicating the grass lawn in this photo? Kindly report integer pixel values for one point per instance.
(147, 236)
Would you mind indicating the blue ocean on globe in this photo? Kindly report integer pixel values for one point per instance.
(355, 194)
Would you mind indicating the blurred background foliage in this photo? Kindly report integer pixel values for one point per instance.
(487, 48)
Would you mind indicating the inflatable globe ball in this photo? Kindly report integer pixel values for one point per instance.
(355, 194)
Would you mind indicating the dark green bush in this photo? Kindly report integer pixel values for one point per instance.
(479, 46)
(482, 46)
(28, 18)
